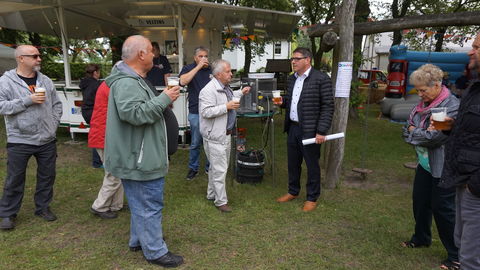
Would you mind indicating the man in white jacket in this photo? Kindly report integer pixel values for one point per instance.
(217, 105)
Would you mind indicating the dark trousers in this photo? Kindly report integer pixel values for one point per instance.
(297, 152)
(17, 161)
(430, 199)
(96, 160)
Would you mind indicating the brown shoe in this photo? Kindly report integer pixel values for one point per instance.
(286, 198)
(309, 206)
(224, 208)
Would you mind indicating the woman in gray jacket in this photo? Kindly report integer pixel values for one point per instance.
(427, 197)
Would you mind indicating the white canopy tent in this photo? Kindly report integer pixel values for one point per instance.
(189, 23)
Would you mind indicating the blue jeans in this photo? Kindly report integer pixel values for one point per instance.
(196, 143)
(145, 199)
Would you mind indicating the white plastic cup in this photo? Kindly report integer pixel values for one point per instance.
(236, 99)
(40, 91)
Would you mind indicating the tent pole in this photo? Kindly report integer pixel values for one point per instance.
(63, 33)
(180, 38)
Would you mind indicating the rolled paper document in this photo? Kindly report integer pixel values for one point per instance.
(327, 138)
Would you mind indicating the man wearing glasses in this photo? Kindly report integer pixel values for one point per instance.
(32, 112)
(309, 110)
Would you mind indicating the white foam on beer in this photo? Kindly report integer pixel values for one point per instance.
(276, 93)
(173, 81)
(440, 116)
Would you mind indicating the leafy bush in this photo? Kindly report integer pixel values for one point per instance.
(55, 71)
(356, 99)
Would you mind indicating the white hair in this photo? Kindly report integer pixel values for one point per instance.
(219, 66)
(133, 45)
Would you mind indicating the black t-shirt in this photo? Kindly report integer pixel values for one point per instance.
(31, 82)
(161, 66)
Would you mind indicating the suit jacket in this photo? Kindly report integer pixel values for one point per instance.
(315, 105)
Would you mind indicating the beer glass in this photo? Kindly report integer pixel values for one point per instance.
(438, 116)
(172, 82)
(277, 98)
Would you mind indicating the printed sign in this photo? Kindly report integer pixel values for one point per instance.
(165, 22)
(344, 79)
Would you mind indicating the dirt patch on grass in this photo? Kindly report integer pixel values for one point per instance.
(73, 154)
(375, 180)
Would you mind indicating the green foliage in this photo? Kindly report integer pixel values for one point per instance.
(56, 71)
(238, 73)
(356, 98)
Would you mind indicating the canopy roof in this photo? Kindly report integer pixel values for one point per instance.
(85, 19)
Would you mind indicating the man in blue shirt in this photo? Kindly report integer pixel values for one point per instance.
(161, 67)
(196, 75)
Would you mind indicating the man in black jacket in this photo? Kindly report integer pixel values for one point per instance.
(462, 167)
(309, 104)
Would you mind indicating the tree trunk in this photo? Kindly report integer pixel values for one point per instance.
(440, 36)
(408, 22)
(340, 117)
(397, 37)
(248, 57)
(317, 54)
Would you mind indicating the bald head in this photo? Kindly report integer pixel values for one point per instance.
(133, 46)
(137, 53)
(28, 59)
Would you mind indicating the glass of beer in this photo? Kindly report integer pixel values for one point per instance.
(438, 116)
(277, 98)
(172, 82)
(40, 91)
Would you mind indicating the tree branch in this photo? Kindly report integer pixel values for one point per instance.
(409, 22)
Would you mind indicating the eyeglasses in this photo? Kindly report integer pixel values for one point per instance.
(34, 56)
(297, 58)
(422, 91)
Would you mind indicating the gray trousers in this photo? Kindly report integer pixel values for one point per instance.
(219, 156)
(467, 229)
(17, 161)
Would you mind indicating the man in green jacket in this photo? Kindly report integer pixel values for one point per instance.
(136, 147)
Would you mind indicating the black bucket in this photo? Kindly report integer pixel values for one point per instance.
(250, 167)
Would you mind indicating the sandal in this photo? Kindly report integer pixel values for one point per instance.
(450, 265)
(410, 244)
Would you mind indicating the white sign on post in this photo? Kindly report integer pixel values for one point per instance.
(344, 79)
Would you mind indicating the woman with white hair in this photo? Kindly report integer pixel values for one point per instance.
(428, 198)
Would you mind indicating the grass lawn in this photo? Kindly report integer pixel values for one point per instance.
(358, 225)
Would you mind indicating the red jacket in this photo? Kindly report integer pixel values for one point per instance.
(96, 136)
